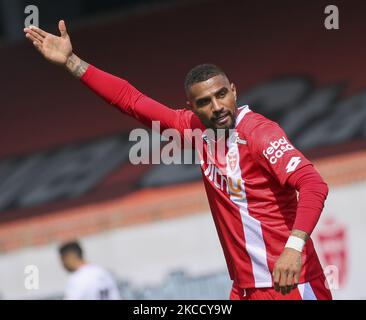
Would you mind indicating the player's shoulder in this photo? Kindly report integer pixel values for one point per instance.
(87, 271)
(189, 119)
(253, 123)
(102, 273)
(96, 269)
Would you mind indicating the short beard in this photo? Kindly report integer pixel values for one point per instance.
(232, 126)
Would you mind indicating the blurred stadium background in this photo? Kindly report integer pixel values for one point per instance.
(64, 168)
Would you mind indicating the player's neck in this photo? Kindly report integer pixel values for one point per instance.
(80, 264)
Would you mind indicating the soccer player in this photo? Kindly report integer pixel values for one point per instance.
(263, 228)
(87, 281)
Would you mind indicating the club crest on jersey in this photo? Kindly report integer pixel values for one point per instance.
(277, 149)
(232, 159)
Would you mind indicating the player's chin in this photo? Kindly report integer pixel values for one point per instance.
(227, 125)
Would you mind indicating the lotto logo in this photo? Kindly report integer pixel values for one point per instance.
(292, 164)
(277, 149)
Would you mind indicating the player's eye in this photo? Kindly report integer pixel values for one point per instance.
(202, 102)
(222, 93)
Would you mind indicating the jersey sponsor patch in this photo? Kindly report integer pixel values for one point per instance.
(277, 149)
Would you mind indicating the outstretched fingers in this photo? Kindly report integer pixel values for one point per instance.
(39, 31)
(32, 35)
(36, 42)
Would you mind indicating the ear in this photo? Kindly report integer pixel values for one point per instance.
(233, 89)
(189, 105)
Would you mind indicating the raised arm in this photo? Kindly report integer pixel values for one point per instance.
(116, 91)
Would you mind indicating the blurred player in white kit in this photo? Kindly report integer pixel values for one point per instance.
(87, 281)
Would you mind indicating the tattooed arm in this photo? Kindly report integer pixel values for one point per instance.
(76, 66)
(57, 50)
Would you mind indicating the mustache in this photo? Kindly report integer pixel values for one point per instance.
(222, 115)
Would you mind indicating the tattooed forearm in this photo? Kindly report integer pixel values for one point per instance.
(76, 66)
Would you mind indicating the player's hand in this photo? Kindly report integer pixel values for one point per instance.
(55, 49)
(286, 272)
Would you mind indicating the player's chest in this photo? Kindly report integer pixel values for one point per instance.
(229, 155)
(228, 165)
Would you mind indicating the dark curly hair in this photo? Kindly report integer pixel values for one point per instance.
(201, 73)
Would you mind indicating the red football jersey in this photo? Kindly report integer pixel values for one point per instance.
(253, 208)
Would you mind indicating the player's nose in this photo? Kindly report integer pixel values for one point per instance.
(216, 106)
